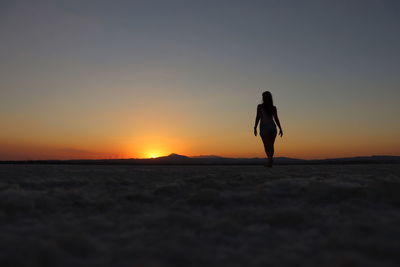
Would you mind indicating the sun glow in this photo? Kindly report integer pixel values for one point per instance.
(153, 154)
(150, 145)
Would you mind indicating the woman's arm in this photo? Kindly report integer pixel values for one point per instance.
(275, 115)
(257, 120)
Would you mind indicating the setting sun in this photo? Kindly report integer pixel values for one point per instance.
(153, 154)
(150, 145)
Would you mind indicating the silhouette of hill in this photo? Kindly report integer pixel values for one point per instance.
(173, 156)
(207, 157)
(176, 159)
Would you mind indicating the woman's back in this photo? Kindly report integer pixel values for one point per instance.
(266, 117)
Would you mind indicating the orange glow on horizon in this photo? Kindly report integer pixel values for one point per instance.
(154, 154)
(148, 141)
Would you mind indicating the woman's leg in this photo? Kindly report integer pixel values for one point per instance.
(269, 141)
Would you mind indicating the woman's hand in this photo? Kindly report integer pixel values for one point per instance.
(281, 132)
(255, 131)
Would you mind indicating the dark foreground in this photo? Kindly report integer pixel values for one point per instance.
(199, 216)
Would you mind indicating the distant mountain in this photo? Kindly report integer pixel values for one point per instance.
(176, 159)
(173, 159)
(207, 157)
(360, 160)
(173, 156)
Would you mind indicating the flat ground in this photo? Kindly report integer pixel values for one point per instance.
(68, 216)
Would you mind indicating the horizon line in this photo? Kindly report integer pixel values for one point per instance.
(198, 157)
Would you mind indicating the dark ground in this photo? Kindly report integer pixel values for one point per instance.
(60, 215)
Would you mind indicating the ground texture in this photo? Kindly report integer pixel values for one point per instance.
(199, 215)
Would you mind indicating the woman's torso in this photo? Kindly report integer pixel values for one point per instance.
(266, 117)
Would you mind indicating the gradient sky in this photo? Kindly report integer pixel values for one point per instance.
(107, 79)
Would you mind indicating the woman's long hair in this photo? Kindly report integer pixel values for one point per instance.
(268, 103)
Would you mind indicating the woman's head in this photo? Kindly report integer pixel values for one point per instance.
(267, 97)
(268, 103)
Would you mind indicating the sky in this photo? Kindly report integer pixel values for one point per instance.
(136, 79)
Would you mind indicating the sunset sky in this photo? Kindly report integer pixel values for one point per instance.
(122, 79)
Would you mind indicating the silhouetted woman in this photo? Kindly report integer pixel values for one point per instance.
(267, 114)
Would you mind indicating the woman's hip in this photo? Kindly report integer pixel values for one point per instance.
(268, 128)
